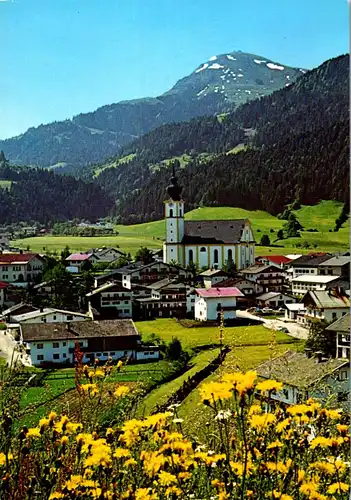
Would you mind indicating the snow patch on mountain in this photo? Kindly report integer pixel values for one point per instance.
(215, 66)
(274, 66)
(231, 58)
(204, 66)
(202, 91)
(259, 61)
(212, 58)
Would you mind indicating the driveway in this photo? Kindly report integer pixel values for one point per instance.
(9, 349)
(295, 330)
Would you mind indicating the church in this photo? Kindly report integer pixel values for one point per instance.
(207, 243)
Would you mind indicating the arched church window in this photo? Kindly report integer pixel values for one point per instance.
(215, 256)
(203, 249)
(191, 256)
(230, 254)
(171, 212)
(180, 212)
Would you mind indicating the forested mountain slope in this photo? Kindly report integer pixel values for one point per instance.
(31, 194)
(219, 84)
(298, 147)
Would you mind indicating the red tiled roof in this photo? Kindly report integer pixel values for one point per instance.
(79, 256)
(277, 259)
(219, 292)
(13, 258)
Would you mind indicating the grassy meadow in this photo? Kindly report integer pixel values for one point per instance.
(130, 238)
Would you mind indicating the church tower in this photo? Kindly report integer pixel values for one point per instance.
(174, 213)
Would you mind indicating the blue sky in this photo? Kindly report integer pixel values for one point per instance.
(63, 57)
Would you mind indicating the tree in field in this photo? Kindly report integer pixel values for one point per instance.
(144, 255)
(65, 253)
(230, 267)
(292, 227)
(265, 241)
(280, 234)
(320, 339)
(344, 215)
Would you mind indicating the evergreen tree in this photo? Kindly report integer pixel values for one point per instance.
(265, 241)
(65, 253)
(280, 234)
(230, 267)
(144, 255)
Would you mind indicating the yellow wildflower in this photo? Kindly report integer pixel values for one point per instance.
(71, 427)
(301, 475)
(323, 467)
(174, 491)
(260, 422)
(281, 496)
(214, 391)
(33, 432)
(56, 495)
(145, 494)
(64, 440)
(99, 373)
(238, 467)
(90, 389)
(333, 414)
(309, 488)
(130, 462)
(241, 382)
(131, 431)
(52, 416)
(121, 453)
(166, 479)
(255, 410)
(342, 429)
(274, 445)
(152, 462)
(320, 441)
(121, 390)
(43, 424)
(283, 425)
(339, 465)
(269, 385)
(3, 458)
(279, 467)
(158, 420)
(338, 488)
(73, 482)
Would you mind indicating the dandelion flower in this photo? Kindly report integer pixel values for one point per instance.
(338, 488)
(121, 453)
(121, 390)
(261, 422)
(33, 432)
(166, 479)
(269, 385)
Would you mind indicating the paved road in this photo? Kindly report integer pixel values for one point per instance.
(8, 349)
(295, 330)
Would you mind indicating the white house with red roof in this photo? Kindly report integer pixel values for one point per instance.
(20, 268)
(274, 260)
(209, 303)
(77, 259)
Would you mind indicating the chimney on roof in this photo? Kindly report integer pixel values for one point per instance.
(41, 309)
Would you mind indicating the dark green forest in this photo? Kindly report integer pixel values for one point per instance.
(44, 196)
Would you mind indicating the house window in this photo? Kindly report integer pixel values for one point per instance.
(69, 317)
(40, 346)
(56, 356)
(334, 315)
(40, 357)
(180, 212)
(64, 355)
(191, 256)
(98, 354)
(230, 254)
(55, 345)
(126, 311)
(125, 353)
(112, 354)
(81, 344)
(171, 212)
(54, 317)
(64, 344)
(340, 352)
(343, 375)
(126, 301)
(105, 353)
(202, 249)
(215, 256)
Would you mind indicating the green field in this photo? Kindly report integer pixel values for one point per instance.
(130, 238)
(168, 328)
(5, 184)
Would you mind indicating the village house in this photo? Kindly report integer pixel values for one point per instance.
(152, 273)
(305, 376)
(48, 315)
(76, 260)
(293, 310)
(15, 310)
(301, 284)
(212, 277)
(168, 300)
(268, 276)
(306, 264)
(247, 286)
(274, 260)
(274, 300)
(106, 254)
(335, 266)
(56, 342)
(211, 303)
(206, 243)
(323, 306)
(341, 327)
(20, 269)
(110, 301)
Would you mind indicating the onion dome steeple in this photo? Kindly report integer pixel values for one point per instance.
(174, 190)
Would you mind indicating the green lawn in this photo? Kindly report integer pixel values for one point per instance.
(161, 394)
(194, 413)
(130, 238)
(168, 328)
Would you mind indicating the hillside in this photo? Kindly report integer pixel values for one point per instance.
(130, 238)
(30, 194)
(219, 84)
(296, 147)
